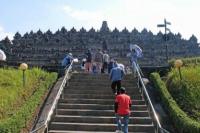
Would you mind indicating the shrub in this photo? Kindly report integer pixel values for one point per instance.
(182, 122)
(186, 92)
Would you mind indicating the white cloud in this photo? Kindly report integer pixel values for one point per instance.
(85, 16)
(3, 34)
(142, 14)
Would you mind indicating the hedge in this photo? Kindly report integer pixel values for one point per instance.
(181, 121)
(16, 122)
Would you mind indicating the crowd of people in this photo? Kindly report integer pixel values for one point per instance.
(96, 63)
(101, 62)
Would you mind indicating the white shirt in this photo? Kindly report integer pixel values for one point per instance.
(105, 58)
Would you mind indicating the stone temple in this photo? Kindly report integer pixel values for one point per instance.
(47, 49)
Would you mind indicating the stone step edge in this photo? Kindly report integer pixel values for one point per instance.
(102, 124)
(64, 131)
(111, 95)
(133, 105)
(110, 100)
(79, 110)
(79, 116)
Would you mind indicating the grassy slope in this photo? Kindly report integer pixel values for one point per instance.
(12, 92)
(186, 92)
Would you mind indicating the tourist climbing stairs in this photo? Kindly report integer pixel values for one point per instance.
(87, 106)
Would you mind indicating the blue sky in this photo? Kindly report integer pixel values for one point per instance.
(26, 15)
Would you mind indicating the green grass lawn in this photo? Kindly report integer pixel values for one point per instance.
(186, 92)
(16, 99)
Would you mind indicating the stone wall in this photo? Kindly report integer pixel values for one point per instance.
(49, 48)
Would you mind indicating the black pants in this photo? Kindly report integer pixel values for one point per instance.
(116, 84)
(105, 66)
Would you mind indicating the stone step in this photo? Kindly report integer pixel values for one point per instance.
(100, 80)
(97, 106)
(97, 90)
(89, 75)
(98, 127)
(89, 83)
(94, 77)
(106, 81)
(87, 106)
(87, 112)
(99, 96)
(97, 75)
(84, 80)
(97, 78)
(65, 131)
(97, 101)
(102, 86)
(99, 119)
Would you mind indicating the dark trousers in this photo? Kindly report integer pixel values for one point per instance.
(105, 66)
(116, 84)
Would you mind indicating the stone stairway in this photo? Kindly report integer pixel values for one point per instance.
(87, 107)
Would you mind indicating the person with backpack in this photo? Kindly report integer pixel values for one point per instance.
(122, 111)
(88, 63)
(116, 76)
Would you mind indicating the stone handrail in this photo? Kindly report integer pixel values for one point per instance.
(159, 128)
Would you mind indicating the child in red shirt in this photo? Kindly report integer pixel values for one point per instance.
(122, 110)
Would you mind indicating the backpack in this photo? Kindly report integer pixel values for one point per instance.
(66, 61)
(88, 57)
(98, 57)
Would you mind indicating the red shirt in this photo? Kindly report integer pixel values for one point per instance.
(123, 101)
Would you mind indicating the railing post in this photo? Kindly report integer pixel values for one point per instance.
(138, 84)
(156, 127)
(62, 96)
(56, 109)
(47, 128)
